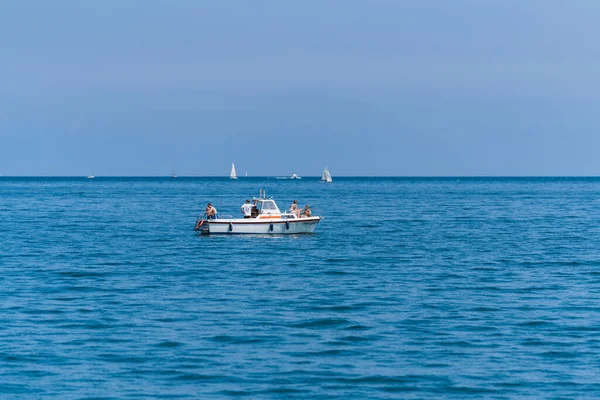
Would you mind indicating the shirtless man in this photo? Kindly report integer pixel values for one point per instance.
(307, 212)
(211, 212)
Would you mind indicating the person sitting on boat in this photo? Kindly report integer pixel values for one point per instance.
(306, 212)
(211, 212)
(246, 209)
(294, 209)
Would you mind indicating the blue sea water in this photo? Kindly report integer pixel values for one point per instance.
(409, 288)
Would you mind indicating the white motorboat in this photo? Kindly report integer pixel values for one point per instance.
(294, 176)
(326, 176)
(91, 176)
(232, 175)
(266, 219)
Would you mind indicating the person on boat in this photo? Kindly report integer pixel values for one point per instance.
(246, 209)
(306, 212)
(211, 212)
(254, 212)
(294, 208)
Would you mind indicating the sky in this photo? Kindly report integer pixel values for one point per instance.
(367, 88)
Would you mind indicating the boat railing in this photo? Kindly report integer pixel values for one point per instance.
(283, 215)
(218, 216)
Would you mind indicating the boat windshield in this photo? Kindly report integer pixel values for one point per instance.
(268, 206)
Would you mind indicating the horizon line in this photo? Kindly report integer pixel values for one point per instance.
(305, 176)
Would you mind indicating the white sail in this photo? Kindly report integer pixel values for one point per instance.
(326, 176)
(233, 175)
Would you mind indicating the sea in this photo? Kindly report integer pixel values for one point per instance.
(408, 288)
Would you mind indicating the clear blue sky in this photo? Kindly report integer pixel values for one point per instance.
(462, 87)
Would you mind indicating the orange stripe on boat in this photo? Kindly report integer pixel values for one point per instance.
(271, 217)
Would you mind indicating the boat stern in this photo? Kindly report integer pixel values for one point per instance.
(202, 226)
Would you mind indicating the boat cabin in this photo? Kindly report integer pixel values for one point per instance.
(267, 207)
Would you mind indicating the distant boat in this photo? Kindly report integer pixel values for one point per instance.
(326, 176)
(294, 176)
(246, 174)
(91, 176)
(233, 175)
(174, 176)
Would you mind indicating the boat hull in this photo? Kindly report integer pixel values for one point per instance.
(260, 227)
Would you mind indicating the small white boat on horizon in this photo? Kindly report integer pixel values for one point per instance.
(173, 176)
(91, 177)
(266, 219)
(294, 176)
(326, 176)
(233, 175)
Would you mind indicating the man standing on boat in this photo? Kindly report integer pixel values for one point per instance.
(246, 209)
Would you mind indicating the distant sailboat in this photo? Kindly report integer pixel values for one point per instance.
(173, 176)
(246, 174)
(233, 175)
(326, 176)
